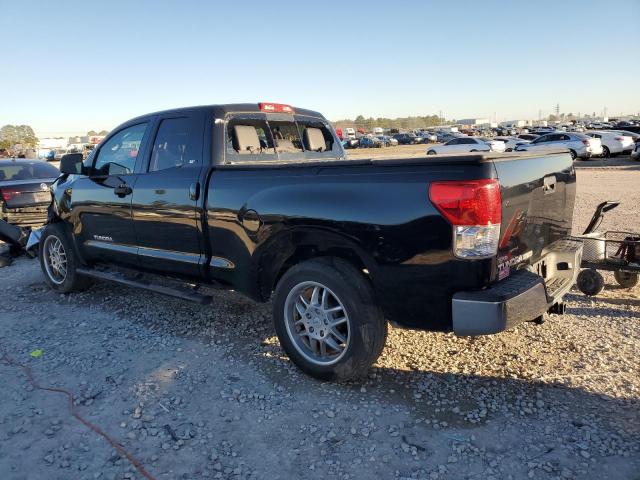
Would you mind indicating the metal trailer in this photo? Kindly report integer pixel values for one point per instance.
(613, 251)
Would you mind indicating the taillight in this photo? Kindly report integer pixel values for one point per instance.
(276, 108)
(620, 139)
(474, 209)
(586, 142)
(9, 194)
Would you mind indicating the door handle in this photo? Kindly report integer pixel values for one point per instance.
(194, 191)
(122, 190)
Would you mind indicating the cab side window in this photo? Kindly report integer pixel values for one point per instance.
(118, 155)
(178, 144)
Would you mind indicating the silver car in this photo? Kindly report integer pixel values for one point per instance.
(579, 145)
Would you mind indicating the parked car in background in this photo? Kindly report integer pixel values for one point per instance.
(370, 142)
(613, 143)
(406, 138)
(634, 136)
(578, 144)
(510, 143)
(429, 137)
(349, 143)
(467, 144)
(528, 136)
(387, 141)
(59, 153)
(24, 191)
(444, 137)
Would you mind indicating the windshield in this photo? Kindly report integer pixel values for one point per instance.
(27, 171)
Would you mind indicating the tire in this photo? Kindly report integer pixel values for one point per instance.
(573, 154)
(431, 152)
(626, 279)
(362, 327)
(590, 282)
(605, 152)
(474, 151)
(56, 252)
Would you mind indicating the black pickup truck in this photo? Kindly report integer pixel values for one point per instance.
(260, 198)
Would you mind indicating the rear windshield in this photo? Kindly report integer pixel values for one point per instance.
(27, 171)
(260, 137)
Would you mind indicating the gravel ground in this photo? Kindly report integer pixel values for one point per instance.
(206, 392)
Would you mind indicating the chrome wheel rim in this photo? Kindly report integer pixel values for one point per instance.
(317, 323)
(55, 259)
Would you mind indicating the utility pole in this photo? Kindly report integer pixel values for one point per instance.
(557, 109)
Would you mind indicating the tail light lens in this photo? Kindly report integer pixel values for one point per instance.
(9, 194)
(474, 209)
(620, 139)
(586, 142)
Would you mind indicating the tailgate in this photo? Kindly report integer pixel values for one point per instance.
(538, 194)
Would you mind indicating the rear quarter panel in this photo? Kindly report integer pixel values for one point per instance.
(256, 218)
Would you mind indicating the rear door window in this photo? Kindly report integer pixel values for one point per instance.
(178, 143)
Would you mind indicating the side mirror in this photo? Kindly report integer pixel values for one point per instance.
(71, 164)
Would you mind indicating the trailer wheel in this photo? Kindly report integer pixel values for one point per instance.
(590, 282)
(626, 279)
(327, 319)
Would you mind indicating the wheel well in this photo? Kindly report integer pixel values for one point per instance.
(308, 252)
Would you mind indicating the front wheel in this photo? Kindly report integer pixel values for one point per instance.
(431, 152)
(58, 261)
(327, 320)
(573, 154)
(605, 152)
(626, 279)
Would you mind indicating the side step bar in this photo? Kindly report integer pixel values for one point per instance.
(117, 277)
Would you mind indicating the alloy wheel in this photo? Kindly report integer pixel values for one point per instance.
(55, 259)
(317, 323)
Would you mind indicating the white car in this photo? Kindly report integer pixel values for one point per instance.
(467, 144)
(510, 143)
(612, 143)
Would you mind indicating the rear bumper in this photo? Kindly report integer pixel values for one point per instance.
(523, 296)
(32, 216)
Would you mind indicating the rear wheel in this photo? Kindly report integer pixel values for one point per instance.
(431, 152)
(605, 152)
(590, 282)
(58, 261)
(327, 320)
(626, 279)
(573, 154)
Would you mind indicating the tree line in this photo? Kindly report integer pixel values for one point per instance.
(11, 135)
(396, 123)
